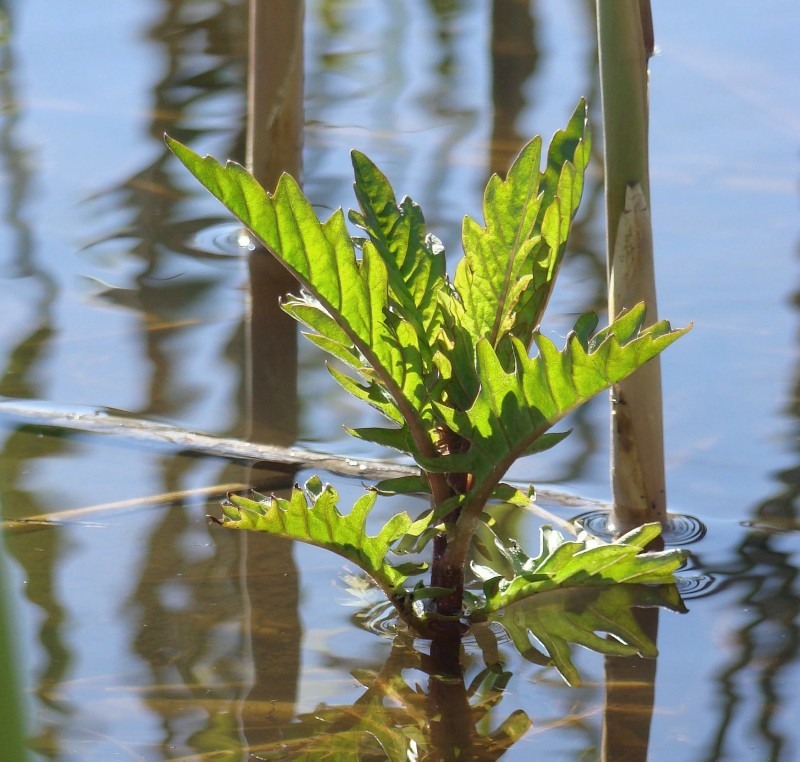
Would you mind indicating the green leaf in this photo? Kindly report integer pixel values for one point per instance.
(404, 485)
(509, 266)
(415, 261)
(583, 562)
(353, 293)
(561, 618)
(311, 515)
(397, 439)
(421, 592)
(514, 408)
(508, 494)
(497, 256)
(504, 559)
(373, 394)
(455, 358)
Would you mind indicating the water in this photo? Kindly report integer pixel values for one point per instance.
(141, 632)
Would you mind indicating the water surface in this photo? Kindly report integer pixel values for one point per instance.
(141, 632)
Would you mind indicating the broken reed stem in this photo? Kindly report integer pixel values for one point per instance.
(27, 413)
(177, 439)
(75, 515)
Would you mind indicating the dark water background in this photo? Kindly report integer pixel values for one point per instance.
(145, 633)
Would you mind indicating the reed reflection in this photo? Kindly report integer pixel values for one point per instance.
(29, 291)
(192, 610)
(762, 574)
(274, 145)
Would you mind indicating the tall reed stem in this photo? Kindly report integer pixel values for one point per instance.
(625, 41)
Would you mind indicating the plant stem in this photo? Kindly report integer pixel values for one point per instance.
(449, 575)
(637, 452)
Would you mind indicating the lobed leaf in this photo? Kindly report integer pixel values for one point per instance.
(509, 265)
(561, 618)
(311, 515)
(584, 562)
(415, 261)
(514, 408)
(349, 302)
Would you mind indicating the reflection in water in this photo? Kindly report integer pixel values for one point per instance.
(763, 576)
(630, 684)
(32, 291)
(208, 644)
(187, 611)
(514, 60)
(454, 699)
(764, 579)
(180, 298)
(190, 613)
(12, 700)
(242, 573)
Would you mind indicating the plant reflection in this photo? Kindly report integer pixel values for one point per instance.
(398, 719)
(433, 701)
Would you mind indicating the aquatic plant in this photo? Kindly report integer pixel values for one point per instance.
(449, 364)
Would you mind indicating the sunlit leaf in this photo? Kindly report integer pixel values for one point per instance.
(311, 515)
(514, 408)
(583, 562)
(352, 295)
(448, 364)
(415, 260)
(509, 266)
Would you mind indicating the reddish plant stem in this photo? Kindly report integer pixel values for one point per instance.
(444, 574)
(449, 577)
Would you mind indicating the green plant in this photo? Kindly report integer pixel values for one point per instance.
(448, 364)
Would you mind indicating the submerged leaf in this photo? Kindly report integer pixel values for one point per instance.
(558, 619)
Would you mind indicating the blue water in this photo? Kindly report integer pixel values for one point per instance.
(144, 633)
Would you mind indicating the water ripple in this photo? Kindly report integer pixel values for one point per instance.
(681, 528)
